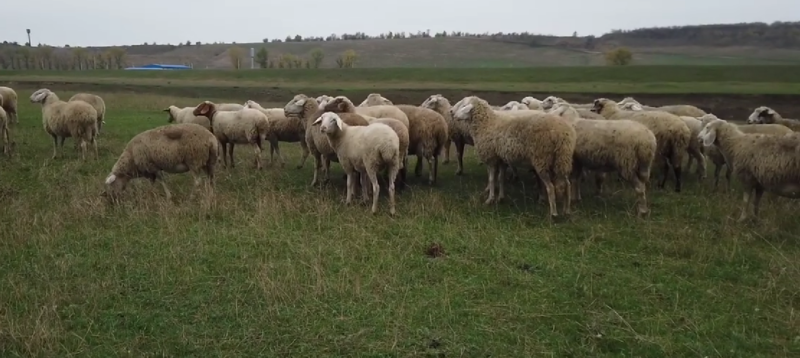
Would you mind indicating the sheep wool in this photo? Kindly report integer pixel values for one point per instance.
(766, 115)
(402, 135)
(9, 103)
(63, 120)
(245, 126)
(172, 148)
(375, 99)
(760, 162)
(458, 131)
(281, 129)
(543, 141)
(342, 104)
(5, 133)
(427, 135)
(366, 149)
(185, 115)
(96, 102)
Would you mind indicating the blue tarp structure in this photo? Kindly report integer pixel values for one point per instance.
(156, 66)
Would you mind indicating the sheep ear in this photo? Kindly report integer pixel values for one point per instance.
(301, 102)
(339, 122)
(204, 108)
(165, 110)
(709, 137)
(111, 179)
(318, 121)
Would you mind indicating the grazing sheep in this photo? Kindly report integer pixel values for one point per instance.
(543, 141)
(9, 103)
(375, 99)
(4, 131)
(427, 135)
(307, 110)
(716, 156)
(672, 134)
(185, 115)
(245, 126)
(342, 104)
(96, 102)
(172, 148)
(365, 149)
(282, 129)
(402, 134)
(761, 162)
(513, 106)
(532, 103)
(62, 120)
(766, 115)
(623, 146)
(696, 150)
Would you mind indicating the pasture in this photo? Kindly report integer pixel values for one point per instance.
(273, 267)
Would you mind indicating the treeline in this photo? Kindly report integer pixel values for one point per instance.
(776, 34)
(16, 57)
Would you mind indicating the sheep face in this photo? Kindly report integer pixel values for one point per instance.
(296, 105)
(762, 115)
(511, 106)
(169, 113)
(329, 123)
(709, 133)
(550, 101)
(464, 112)
(338, 104)
(115, 184)
(627, 100)
(323, 98)
(602, 104)
(40, 95)
(433, 102)
(250, 104)
(528, 101)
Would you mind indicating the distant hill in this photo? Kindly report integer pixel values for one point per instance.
(723, 44)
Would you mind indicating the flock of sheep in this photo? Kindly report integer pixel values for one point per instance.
(559, 142)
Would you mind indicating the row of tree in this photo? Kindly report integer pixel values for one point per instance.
(347, 59)
(51, 58)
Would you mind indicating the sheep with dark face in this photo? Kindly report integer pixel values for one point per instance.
(766, 115)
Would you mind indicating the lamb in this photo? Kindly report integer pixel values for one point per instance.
(513, 106)
(342, 104)
(624, 146)
(96, 102)
(696, 151)
(375, 99)
(9, 103)
(402, 135)
(245, 126)
(532, 103)
(307, 110)
(543, 141)
(282, 129)
(761, 162)
(62, 120)
(365, 149)
(4, 131)
(172, 148)
(185, 115)
(716, 156)
(672, 134)
(766, 115)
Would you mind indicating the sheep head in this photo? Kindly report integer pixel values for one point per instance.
(550, 101)
(530, 101)
(564, 110)
(251, 104)
(169, 111)
(434, 101)
(463, 110)
(114, 185)
(205, 109)
(627, 100)
(329, 123)
(40, 95)
(708, 135)
(375, 99)
(763, 115)
(323, 98)
(602, 105)
(630, 106)
(339, 104)
(297, 105)
(513, 106)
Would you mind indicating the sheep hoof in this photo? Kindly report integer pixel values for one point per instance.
(489, 201)
(459, 172)
(446, 161)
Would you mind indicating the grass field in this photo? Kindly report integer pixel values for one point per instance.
(273, 267)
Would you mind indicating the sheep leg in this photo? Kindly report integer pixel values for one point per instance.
(641, 193)
(447, 151)
(376, 188)
(717, 169)
(550, 189)
(728, 172)
(745, 203)
(675, 161)
(317, 168)
(577, 176)
(599, 180)
(664, 173)
(351, 186)
(304, 148)
(501, 177)
(230, 153)
(392, 177)
(326, 169)
(492, 171)
(565, 190)
(257, 151)
(759, 191)
(276, 147)
(433, 168)
(83, 149)
(418, 167)
(460, 156)
(96, 151)
(160, 179)
(365, 188)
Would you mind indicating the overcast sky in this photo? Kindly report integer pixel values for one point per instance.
(115, 22)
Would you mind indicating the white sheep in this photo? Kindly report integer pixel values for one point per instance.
(172, 148)
(766, 115)
(225, 107)
(62, 120)
(532, 103)
(185, 115)
(761, 162)
(245, 126)
(621, 146)
(676, 109)
(366, 149)
(375, 99)
(514, 106)
(9, 103)
(282, 129)
(96, 102)
(4, 131)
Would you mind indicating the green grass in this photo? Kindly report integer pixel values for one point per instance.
(633, 79)
(275, 268)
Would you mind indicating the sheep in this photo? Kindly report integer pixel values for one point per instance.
(9, 103)
(364, 149)
(225, 107)
(532, 103)
(696, 151)
(513, 106)
(323, 98)
(624, 146)
(172, 148)
(4, 131)
(672, 134)
(716, 156)
(676, 109)
(62, 120)
(550, 101)
(307, 110)
(96, 102)
(458, 133)
(375, 99)
(402, 135)
(342, 104)
(544, 141)
(766, 115)
(185, 115)
(245, 126)
(427, 135)
(761, 162)
(282, 129)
